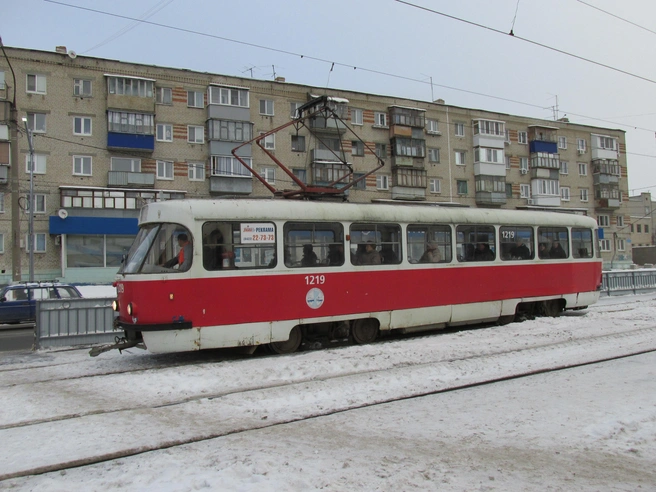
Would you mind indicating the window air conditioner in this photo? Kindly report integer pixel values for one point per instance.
(523, 171)
(530, 201)
(581, 151)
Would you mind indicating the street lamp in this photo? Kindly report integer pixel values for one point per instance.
(30, 229)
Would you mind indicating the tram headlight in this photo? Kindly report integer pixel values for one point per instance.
(115, 305)
(132, 309)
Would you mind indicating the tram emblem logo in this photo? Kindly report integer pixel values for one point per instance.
(314, 298)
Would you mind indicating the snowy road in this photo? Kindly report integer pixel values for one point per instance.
(72, 408)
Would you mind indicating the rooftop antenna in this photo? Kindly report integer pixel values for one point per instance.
(431, 83)
(554, 109)
(250, 69)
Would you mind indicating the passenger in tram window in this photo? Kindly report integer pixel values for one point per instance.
(431, 255)
(542, 251)
(388, 256)
(520, 251)
(336, 254)
(483, 253)
(309, 256)
(183, 258)
(370, 256)
(557, 251)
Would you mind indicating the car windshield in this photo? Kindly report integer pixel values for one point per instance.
(159, 248)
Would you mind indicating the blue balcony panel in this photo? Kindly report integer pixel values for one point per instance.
(541, 146)
(131, 141)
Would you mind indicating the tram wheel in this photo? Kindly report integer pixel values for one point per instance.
(552, 308)
(365, 330)
(288, 346)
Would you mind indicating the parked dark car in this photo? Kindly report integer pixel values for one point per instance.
(18, 301)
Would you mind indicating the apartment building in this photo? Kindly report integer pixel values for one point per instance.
(110, 136)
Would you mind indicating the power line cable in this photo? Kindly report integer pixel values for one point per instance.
(526, 40)
(617, 17)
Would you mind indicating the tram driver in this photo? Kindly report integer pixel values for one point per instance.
(183, 258)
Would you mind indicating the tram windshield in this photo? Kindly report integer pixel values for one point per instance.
(160, 248)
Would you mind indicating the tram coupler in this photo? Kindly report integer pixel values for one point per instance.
(121, 344)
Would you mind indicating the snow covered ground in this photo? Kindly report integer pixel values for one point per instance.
(586, 428)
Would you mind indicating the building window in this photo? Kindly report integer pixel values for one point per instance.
(82, 87)
(564, 193)
(356, 116)
(522, 138)
(409, 147)
(638, 228)
(564, 167)
(164, 95)
(196, 171)
(36, 83)
(39, 163)
(603, 220)
(357, 148)
(229, 96)
(431, 127)
(269, 142)
(461, 186)
(301, 174)
(581, 145)
(482, 154)
(460, 158)
(381, 150)
(293, 109)
(435, 185)
(2, 243)
(39, 204)
(460, 129)
(434, 155)
(165, 170)
(620, 244)
(36, 122)
(489, 127)
(125, 164)
(269, 175)
(82, 165)
(230, 131)
(298, 143)
(646, 229)
(620, 221)
(382, 182)
(380, 120)
(195, 99)
(266, 107)
(509, 192)
(604, 244)
(360, 184)
(136, 123)
(125, 86)
(196, 134)
(39, 242)
(223, 165)
(562, 142)
(607, 143)
(507, 162)
(583, 169)
(584, 194)
(164, 132)
(524, 191)
(2, 203)
(82, 125)
(2, 80)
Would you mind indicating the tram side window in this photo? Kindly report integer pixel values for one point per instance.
(516, 243)
(553, 243)
(318, 244)
(243, 245)
(582, 245)
(475, 243)
(160, 248)
(375, 244)
(429, 244)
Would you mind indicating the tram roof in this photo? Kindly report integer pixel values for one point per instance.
(279, 209)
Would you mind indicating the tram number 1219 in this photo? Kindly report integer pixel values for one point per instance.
(315, 279)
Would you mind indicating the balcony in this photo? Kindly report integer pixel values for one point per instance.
(327, 124)
(4, 174)
(325, 155)
(231, 185)
(543, 139)
(409, 183)
(607, 196)
(489, 133)
(490, 198)
(131, 180)
(131, 141)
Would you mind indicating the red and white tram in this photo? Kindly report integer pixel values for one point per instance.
(278, 272)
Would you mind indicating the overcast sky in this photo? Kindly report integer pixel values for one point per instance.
(396, 47)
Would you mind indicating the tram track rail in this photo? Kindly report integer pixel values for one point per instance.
(264, 406)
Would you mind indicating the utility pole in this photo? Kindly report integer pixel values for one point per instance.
(31, 207)
(16, 270)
